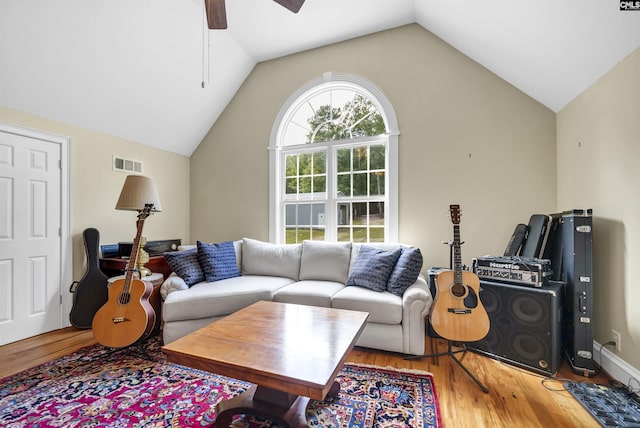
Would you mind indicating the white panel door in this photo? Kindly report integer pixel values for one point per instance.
(30, 241)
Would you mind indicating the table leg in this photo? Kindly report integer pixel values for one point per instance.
(286, 409)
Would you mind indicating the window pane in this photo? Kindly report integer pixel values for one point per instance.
(303, 234)
(305, 186)
(317, 215)
(290, 215)
(376, 213)
(304, 163)
(376, 180)
(344, 217)
(319, 184)
(360, 213)
(360, 155)
(292, 186)
(376, 234)
(317, 234)
(304, 214)
(290, 235)
(292, 165)
(360, 184)
(344, 185)
(344, 160)
(377, 157)
(344, 234)
(319, 163)
(359, 234)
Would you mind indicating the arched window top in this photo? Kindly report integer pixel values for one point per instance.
(334, 164)
(335, 107)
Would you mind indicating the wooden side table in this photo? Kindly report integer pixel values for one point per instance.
(156, 279)
(112, 266)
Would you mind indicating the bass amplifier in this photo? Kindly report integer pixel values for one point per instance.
(526, 325)
(527, 271)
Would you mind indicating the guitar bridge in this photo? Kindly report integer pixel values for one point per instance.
(459, 311)
(117, 320)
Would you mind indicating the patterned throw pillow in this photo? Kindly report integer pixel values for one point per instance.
(186, 265)
(373, 267)
(218, 261)
(406, 271)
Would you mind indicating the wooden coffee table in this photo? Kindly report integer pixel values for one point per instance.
(291, 352)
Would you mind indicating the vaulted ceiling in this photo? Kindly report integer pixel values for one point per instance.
(151, 72)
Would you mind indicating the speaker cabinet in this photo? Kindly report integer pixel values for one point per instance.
(525, 325)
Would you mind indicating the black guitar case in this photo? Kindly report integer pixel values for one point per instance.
(516, 241)
(537, 235)
(91, 292)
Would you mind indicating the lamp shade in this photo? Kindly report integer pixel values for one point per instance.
(138, 191)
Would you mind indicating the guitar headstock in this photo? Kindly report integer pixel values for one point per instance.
(146, 211)
(454, 211)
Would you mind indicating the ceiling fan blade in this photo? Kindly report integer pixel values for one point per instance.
(216, 14)
(293, 5)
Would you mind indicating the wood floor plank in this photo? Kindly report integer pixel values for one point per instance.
(516, 398)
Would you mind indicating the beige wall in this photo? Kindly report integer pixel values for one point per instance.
(598, 150)
(466, 136)
(95, 187)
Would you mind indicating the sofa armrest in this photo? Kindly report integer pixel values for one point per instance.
(171, 284)
(416, 303)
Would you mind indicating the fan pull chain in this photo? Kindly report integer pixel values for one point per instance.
(205, 31)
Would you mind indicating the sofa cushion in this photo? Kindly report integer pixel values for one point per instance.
(186, 265)
(383, 307)
(212, 299)
(373, 268)
(406, 271)
(312, 293)
(218, 261)
(325, 261)
(265, 258)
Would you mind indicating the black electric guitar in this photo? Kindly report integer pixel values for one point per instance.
(457, 313)
(127, 316)
(90, 293)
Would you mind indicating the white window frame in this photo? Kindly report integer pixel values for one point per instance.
(276, 171)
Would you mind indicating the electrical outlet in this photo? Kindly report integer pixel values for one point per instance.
(616, 337)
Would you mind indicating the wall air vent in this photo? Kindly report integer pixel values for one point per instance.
(127, 165)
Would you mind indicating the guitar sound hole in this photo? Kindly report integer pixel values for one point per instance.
(458, 290)
(124, 298)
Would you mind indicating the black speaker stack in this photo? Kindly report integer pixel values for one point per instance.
(532, 326)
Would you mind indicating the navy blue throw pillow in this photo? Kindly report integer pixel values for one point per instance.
(406, 271)
(185, 264)
(372, 268)
(218, 261)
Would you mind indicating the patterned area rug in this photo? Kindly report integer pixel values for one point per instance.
(98, 387)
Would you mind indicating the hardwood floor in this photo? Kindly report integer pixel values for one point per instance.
(517, 398)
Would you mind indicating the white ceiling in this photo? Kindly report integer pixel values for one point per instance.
(134, 68)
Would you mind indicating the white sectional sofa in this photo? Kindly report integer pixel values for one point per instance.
(211, 281)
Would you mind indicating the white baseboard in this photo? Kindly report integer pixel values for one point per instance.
(616, 367)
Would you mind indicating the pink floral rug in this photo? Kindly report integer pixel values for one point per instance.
(98, 387)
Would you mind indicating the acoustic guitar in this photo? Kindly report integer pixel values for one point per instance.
(90, 293)
(127, 317)
(457, 313)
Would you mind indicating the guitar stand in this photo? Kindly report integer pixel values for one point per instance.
(139, 345)
(451, 353)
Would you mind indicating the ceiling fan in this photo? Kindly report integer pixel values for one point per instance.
(217, 12)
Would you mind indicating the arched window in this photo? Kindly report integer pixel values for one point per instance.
(333, 164)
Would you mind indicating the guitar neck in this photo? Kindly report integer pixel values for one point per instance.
(135, 250)
(457, 256)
